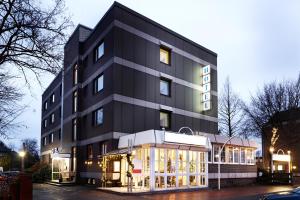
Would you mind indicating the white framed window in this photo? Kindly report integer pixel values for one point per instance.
(216, 149)
(99, 51)
(236, 155)
(75, 74)
(45, 123)
(46, 105)
(98, 117)
(243, 156)
(75, 101)
(53, 98)
(165, 87)
(98, 84)
(230, 154)
(165, 119)
(165, 55)
(52, 118)
(74, 130)
(104, 149)
(249, 156)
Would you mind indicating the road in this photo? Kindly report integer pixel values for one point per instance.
(50, 192)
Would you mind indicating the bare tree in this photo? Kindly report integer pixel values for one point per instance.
(9, 107)
(230, 112)
(31, 146)
(32, 151)
(273, 98)
(32, 37)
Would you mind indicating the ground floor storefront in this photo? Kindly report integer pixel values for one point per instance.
(158, 160)
(156, 169)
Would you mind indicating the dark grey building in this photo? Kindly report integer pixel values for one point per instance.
(126, 75)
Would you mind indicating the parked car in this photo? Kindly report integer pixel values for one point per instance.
(287, 195)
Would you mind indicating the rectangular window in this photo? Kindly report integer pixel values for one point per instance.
(53, 98)
(98, 84)
(182, 161)
(45, 141)
(74, 130)
(75, 102)
(165, 55)
(171, 160)
(103, 148)
(73, 163)
(90, 151)
(165, 87)
(159, 160)
(99, 51)
(51, 138)
(52, 118)
(230, 154)
(243, 155)
(216, 153)
(165, 119)
(98, 117)
(236, 155)
(46, 105)
(209, 155)
(75, 74)
(249, 156)
(45, 123)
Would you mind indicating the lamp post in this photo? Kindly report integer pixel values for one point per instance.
(219, 162)
(22, 155)
(271, 152)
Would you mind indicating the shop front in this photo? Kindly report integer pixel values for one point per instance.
(156, 160)
(61, 168)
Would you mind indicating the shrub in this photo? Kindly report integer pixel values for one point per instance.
(40, 172)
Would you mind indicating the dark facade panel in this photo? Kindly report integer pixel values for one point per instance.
(129, 118)
(154, 29)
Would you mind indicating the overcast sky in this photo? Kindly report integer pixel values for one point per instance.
(256, 41)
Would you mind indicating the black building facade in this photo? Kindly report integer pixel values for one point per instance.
(128, 74)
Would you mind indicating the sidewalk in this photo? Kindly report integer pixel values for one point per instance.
(49, 192)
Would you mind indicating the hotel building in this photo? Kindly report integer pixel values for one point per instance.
(136, 99)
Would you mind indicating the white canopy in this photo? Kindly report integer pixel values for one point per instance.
(154, 137)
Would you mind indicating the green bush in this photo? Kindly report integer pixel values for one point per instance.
(42, 174)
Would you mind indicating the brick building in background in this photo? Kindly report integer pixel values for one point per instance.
(287, 125)
(128, 75)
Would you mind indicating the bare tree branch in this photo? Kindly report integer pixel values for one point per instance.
(230, 112)
(32, 37)
(273, 98)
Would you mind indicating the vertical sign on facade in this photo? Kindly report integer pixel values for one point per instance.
(206, 84)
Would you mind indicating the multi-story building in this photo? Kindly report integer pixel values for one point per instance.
(127, 75)
(280, 142)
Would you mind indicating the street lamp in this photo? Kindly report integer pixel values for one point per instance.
(22, 155)
(219, 162)
(271, 152)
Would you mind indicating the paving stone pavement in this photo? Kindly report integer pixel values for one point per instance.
(50, 192)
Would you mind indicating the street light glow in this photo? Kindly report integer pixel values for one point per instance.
(22, 154)
(271, 149)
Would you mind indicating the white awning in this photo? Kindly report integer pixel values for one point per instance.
(60, 155)
(154, 137)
